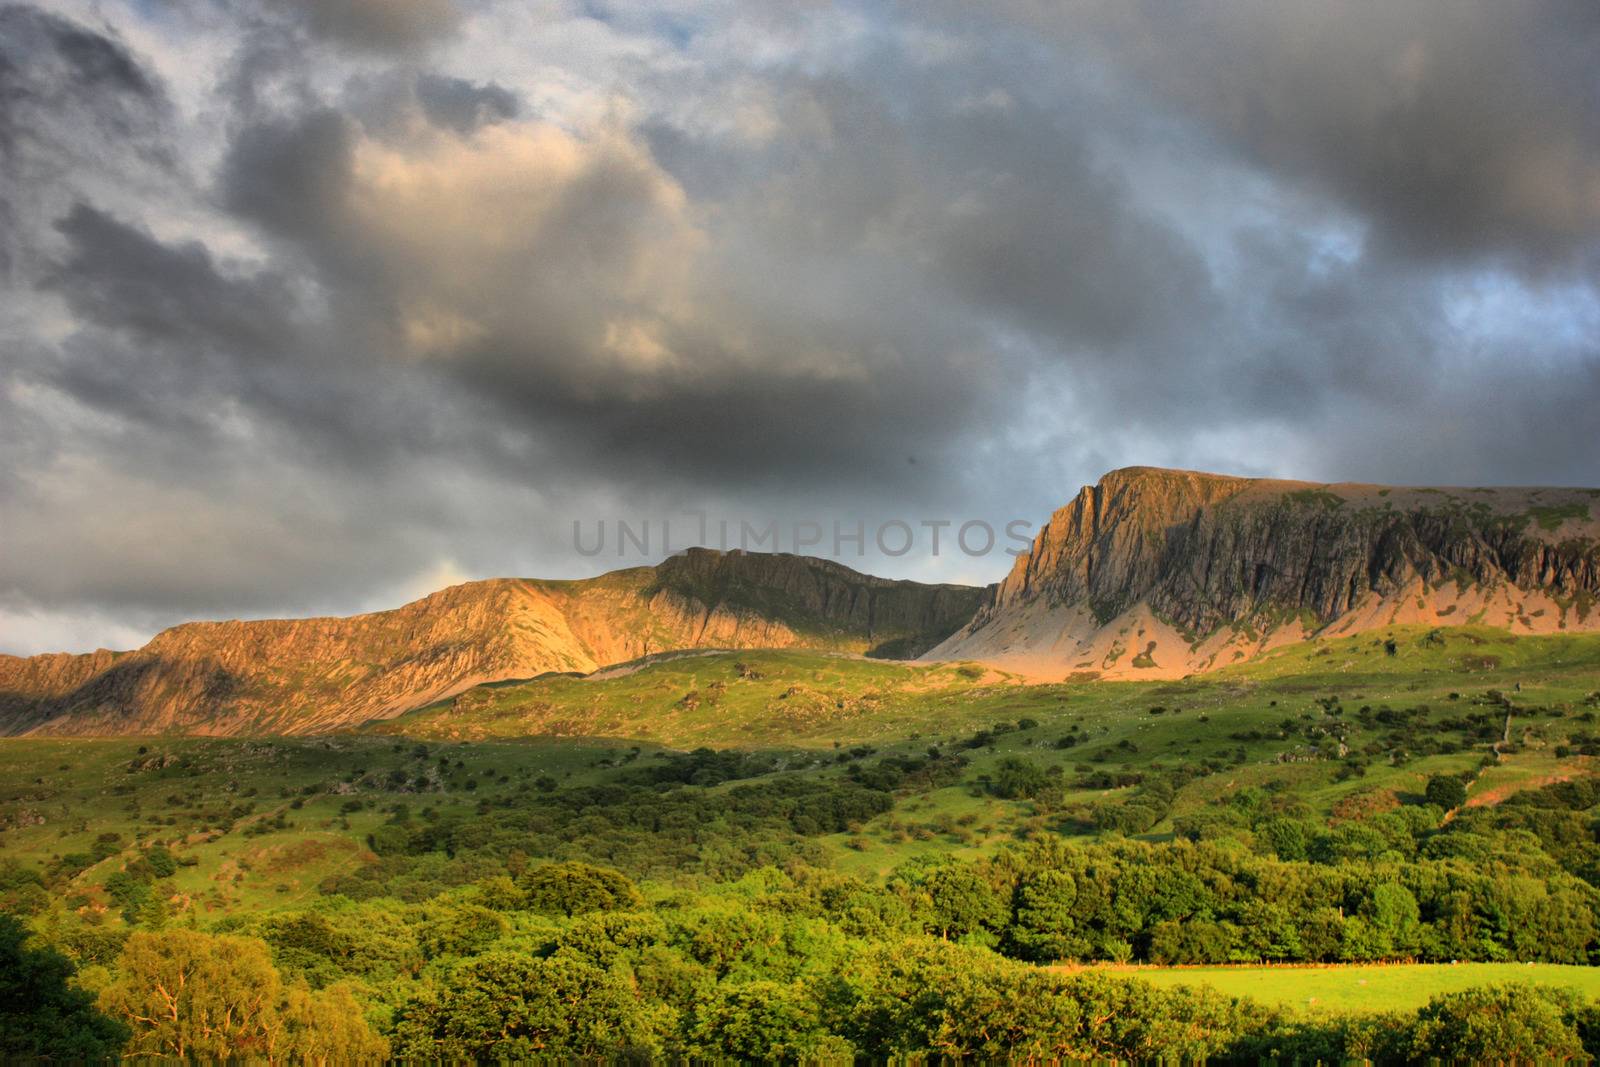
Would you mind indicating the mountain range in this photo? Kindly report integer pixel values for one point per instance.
(1150, 573)
(293, 676)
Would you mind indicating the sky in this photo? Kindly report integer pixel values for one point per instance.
(314, 306)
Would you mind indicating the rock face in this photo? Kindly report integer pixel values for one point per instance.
(1160, 573)
(308, 675)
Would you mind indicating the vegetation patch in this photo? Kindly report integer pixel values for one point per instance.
(1318, 498)
(1551, 518)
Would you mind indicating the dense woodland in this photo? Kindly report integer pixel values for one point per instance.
(714, 933)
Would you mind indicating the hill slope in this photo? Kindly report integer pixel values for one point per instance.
(306, 675)
(1160, 573)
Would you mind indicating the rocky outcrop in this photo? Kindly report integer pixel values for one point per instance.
(1158, 572)
(308, 675)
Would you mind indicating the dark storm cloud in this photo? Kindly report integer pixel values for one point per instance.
(1457, 128)
(59, 81)
(85, 62)
(572, 315)
(463, 106)
(169, 339)
(67, 93)
(384, 292)
(380, 25)
(291, 174)
(790, 340)
(1038, 233)
(387, 105)
(166, 338)
(121, 278)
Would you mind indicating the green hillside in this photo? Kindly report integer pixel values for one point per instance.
(811, 819)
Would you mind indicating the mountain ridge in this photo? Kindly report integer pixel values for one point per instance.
(325, 673)
(1160, 573)
(1149, 573)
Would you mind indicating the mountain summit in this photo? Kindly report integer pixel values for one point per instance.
(1161, 573)
(290, 676)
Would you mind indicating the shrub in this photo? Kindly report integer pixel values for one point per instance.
(509, 1006)
(1508, 1023)
(763, 1021)
(1447, 791)
(574, 888)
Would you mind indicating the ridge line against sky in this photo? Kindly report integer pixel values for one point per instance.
(310, 307)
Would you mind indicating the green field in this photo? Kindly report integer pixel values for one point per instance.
(1363, 987)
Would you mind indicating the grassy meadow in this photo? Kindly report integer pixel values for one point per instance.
(1313, 989)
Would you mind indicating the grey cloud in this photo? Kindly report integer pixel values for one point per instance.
(1039, 231)
(1457, 128)
(167, 339)
(85, 61)
(75, 106)
(123, 279)
(290, 174)
(1502, 426)
(533, 295)
(381, 25)
(463, 106)
(387, 105)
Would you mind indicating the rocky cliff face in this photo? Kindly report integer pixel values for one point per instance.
(309, 675)
(1156, 573)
